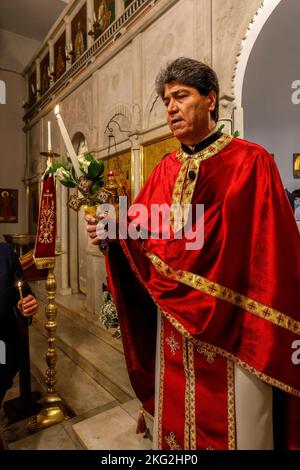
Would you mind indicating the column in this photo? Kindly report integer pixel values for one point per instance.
(64, 287)
(238, 120)
(67, 21)
(89, 20)
(119, 5)
(26, 92)
(135, 164)
(38, 77)
(51, 61)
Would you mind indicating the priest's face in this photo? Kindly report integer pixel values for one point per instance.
(188, 112)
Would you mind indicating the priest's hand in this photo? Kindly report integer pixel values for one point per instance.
(28, 306)
(91, 228)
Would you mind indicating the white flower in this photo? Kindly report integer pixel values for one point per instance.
(84, 163)
(62, 174)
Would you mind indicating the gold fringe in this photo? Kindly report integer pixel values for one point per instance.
(44, 263)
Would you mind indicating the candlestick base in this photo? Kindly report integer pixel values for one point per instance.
(51, 413)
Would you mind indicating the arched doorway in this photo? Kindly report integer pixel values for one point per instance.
(77, 233)
(266, 72)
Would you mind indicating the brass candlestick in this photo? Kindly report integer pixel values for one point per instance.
(51, 402)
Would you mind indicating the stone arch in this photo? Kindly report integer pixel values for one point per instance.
(2, 92)
(119, 120)
(154, 111)
(81, 129)
(80, 142)
(255, 26)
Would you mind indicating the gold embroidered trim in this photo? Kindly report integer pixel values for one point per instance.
(224, 293)
(208, 152)
(174, 345)
(190, 393)
(161, 384)
(172, 441)
(44, 263)
(192, 400)
(231, 406)
(260, 375)
(209, 355)
(209, 448)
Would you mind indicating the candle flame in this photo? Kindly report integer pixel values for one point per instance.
(19, 283)
(56, 110)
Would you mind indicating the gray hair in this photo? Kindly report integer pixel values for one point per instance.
(192, 73)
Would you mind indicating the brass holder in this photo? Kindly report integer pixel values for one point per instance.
(96, 31)
(51, 412)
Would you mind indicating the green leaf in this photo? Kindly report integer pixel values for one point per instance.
(236, 134)
(54, 168)
(94, 170)
(68, 184)
(74, 176)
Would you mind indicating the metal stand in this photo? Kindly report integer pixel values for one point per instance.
(26, 404)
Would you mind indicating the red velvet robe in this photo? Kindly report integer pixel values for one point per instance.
(236, 299)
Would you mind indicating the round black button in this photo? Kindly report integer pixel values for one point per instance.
(192, 175)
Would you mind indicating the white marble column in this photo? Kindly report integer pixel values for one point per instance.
(119, 5)
(73, 247)
(89, 20)
(67, 21)
(135, 164)
(136, 113)
(64, 233)
(38, 77)
(26, 92)
(51, 61)
(238, 120)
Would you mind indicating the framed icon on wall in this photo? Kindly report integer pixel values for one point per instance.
(296, 165)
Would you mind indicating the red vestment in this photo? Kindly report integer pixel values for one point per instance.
(236, 299)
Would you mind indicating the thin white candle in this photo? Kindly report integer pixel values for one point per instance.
(67, 142)
(49, 137)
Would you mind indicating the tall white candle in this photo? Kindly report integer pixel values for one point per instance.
(67, 142)
(49, 137)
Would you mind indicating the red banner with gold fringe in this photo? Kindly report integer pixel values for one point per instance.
(44, 252)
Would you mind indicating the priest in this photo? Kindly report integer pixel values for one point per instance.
(215, 365)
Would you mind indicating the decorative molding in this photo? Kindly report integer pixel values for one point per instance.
(110, 35)
(255, 26)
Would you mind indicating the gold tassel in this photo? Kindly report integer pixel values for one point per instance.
(141, 424)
